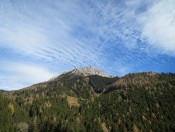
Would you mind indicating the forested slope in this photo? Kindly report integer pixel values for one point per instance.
(135, 102)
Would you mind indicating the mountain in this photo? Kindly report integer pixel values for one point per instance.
(87, 99)
(85, 71)
(88, 71)
(80, 80)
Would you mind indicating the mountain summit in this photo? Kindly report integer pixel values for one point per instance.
(87, 71)
(84, 71)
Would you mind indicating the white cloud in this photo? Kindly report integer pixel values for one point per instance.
(25, 39)
(158, 26)
(18, 75)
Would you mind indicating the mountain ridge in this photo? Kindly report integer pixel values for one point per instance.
(87, 72)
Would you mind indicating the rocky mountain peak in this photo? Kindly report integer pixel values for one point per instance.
(87, 71)
(84, 71)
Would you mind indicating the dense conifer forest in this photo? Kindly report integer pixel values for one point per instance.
(135, 102)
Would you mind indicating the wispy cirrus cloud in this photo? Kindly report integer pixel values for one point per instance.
(115, 36)
(46, 33)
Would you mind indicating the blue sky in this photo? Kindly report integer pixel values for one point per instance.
(40, 39)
